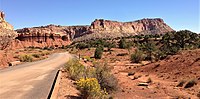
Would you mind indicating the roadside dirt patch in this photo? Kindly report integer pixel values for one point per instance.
(67, 89)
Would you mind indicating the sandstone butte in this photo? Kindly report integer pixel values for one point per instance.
(56, 35)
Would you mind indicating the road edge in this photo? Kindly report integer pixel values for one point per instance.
(53, 94)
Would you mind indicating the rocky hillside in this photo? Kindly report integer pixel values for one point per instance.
(111, 29)
(5, 27)
(48, 36)
(7, 34)
(67, 33)
(98, 29)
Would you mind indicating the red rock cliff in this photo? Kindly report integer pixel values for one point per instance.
(107, 26)
(98, 29)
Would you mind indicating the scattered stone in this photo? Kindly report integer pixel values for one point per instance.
(143, 84)
(14, 63)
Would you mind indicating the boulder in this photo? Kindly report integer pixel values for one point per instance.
(14, 63)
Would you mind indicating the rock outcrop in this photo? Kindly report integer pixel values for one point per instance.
(50, 35)
(100, 28)
(7, 34)
(107, 26)
(3, 23)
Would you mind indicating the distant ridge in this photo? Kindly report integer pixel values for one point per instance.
(100, 28)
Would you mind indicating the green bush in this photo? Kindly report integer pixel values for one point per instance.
(36, 55)
(137, 56)
(160, 55)
(45, 53)
(107, 80)
(88, 58)
(98, 52)
(174, 41)
(122, 43)
(102, 73)
(90, 88)
(110, 46)
(75, 69)
(82, 45)
(149, 48)
(26, 58)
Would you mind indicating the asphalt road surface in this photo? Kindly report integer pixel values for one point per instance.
(31, 80)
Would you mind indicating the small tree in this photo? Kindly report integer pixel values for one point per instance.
(149, 48)
(110, 46)
(137, 56)
(122, 43)
(98, 52)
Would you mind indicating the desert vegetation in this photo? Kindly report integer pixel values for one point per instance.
(93, 82)
(26, 58)
(150, 47)
(144, 59)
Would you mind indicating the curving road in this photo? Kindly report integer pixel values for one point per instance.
(31, 80)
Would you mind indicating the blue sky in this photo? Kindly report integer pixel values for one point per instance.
(179, 14)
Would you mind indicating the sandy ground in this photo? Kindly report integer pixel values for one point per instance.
(31, 80)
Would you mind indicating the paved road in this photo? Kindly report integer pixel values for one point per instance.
(31, 80)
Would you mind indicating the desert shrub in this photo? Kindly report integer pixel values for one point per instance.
(169, 49)
(45, 48)
(82, 45)
(98, 52)
(149, 48)
(106, 80)
(181, 83)
(45, 53)
(99, 42)
(75, 69)
(190, 83)
(90, 72)
(122, 43)
(90, 88)
(110, 46)
(26, 58)
(159, 55)
(36, 55)
(137, 56)
(88, 58)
